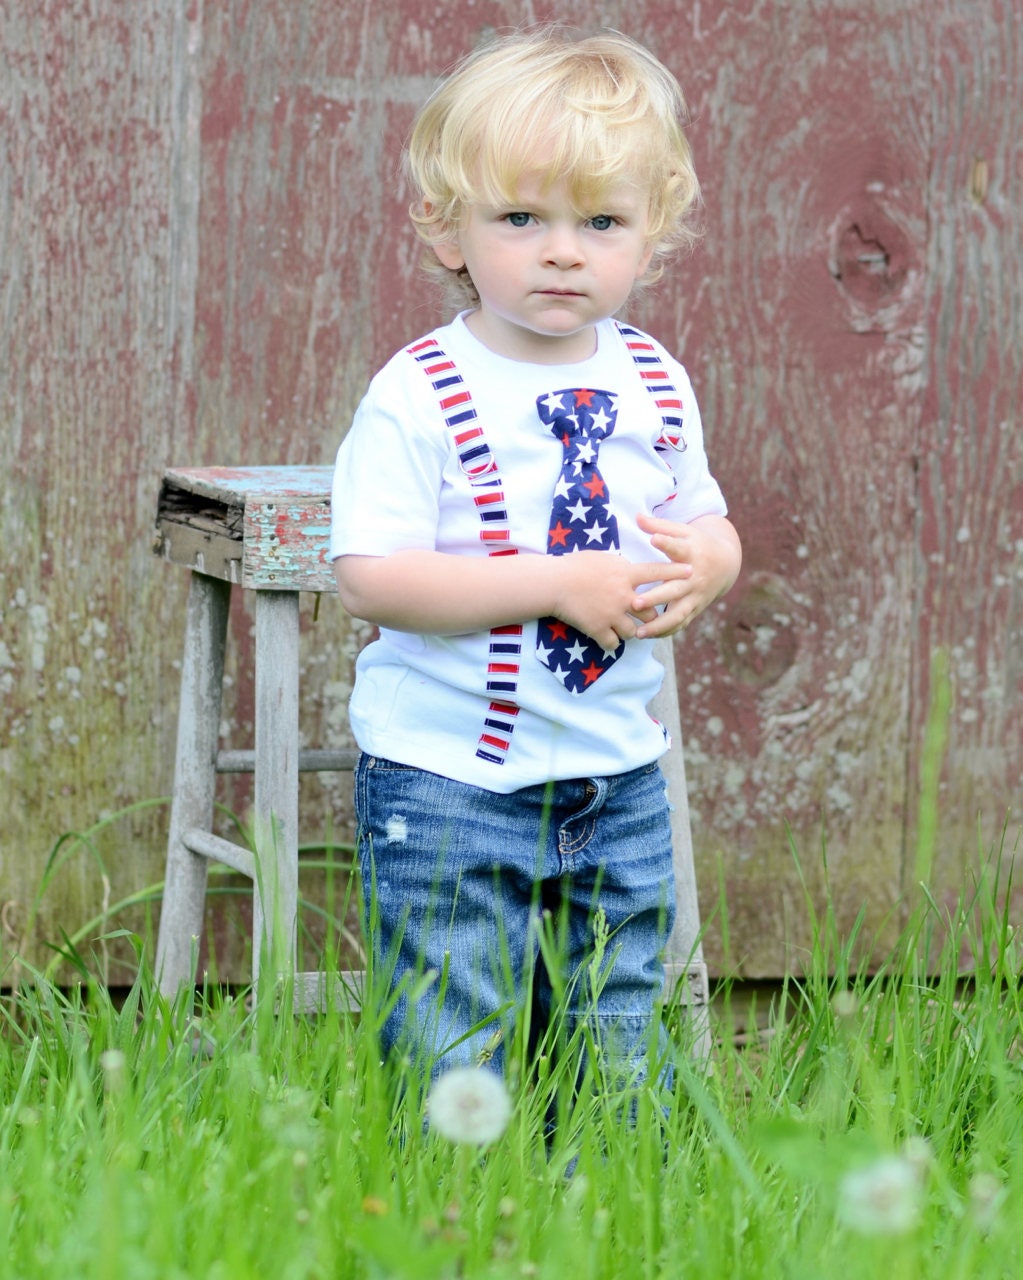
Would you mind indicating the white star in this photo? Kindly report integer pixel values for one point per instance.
(577, 653)
(561, 489)
(600, 420)
(578, 510)
(553, 403)
(585, 450)
(557, 671)
(595, 533)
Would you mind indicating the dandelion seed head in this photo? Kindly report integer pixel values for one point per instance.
(469, 1105)
(917, 1152)
(882, 1199)
(112, 1061)
(845, 1004)
(987, 1193)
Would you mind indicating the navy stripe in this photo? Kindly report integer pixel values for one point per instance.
(506, 726)
(476, 454)
(456, 419)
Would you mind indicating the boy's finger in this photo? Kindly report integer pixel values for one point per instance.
(664, 593)
(658, 524)
(643, 612)
(678, 550)
(659, 571)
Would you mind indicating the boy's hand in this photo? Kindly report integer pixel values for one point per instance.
(598, 593)
(709, 547)
(439, 594)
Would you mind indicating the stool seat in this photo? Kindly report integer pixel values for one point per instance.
(266, 529)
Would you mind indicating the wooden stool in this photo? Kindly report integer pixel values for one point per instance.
(266, 529)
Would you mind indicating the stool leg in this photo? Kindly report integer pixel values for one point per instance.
(275, 897)
(202, 678)
(684, 952)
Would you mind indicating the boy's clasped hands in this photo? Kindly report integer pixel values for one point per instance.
(607, 597)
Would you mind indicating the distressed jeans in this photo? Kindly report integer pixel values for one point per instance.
(457, 882)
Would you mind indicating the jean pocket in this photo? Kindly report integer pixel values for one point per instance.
(381, 764)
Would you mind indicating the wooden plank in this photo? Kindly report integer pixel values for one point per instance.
(851, 328)
(804, 349)
(199, 703)
(968, 590)
(260, 527)
(287, 544)
(95, 276)
(275, 902)
(311, 760)
(236, 487)
(850, 321)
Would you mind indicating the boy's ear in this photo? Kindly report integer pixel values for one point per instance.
(449, 254)
(644, 262)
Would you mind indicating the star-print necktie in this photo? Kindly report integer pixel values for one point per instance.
(580, 521)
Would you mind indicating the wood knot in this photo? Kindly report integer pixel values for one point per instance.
(870, 260)
(760, 640)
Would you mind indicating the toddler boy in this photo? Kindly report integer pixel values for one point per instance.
(522, 505)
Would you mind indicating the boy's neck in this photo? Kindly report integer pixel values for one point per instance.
(528, 347)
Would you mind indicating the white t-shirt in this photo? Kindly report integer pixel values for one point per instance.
(424, 700)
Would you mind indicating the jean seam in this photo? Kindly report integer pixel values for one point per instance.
(569, 846)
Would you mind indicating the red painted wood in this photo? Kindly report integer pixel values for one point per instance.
(800, 318)
(204, 255)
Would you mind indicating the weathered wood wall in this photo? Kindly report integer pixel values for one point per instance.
(204, 255)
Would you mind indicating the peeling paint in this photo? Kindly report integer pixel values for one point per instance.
(860, 413)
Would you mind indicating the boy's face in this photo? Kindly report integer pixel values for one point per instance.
(545, 273)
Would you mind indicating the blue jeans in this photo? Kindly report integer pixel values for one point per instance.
(458, 883)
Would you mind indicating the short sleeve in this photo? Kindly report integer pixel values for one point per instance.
(389, 468)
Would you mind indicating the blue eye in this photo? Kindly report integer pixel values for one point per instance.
(518, 219)
(602, 222)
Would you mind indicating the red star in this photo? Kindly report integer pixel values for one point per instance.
(558, 630)
(591, 672)
(595, 487)
(584, 397)
(556, 537)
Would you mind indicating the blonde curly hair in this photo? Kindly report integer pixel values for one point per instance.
(595, 112)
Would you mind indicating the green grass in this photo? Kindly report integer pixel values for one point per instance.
(143, 1138)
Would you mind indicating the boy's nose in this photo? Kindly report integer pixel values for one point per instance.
(563, 247)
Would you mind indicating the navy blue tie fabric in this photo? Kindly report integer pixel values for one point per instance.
(581, 520)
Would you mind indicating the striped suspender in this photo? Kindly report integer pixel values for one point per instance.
(655, 379)
(479, 464)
